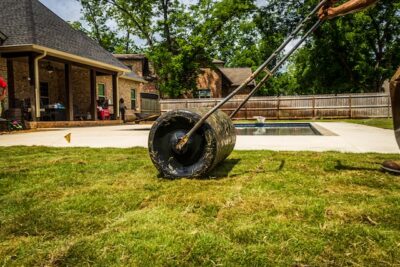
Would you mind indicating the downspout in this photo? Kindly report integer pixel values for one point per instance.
(37, 82)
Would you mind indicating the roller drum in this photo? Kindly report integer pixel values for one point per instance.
(208, 147)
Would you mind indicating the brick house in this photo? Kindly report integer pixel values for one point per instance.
(215, 81)
(218, 81)
(49, 64)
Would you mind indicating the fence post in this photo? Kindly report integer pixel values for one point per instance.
(389, 109)
(350, 107)
(278, 108)
(313, 107)
(187, 103)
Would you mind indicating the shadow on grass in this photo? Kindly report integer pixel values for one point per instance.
(220, 172)
(223, 169)
(340, 167)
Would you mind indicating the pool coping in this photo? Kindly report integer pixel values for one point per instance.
(322, 130)
(315, 127)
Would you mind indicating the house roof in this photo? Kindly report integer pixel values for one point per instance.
(237, 76)
(129, 56)
(29, 22)
(134, 77)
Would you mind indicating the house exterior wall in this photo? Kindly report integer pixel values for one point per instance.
(80, 86)
(107, 81)
(81, 90)
(24, 89)
(210, 79)
(137, 68)
(125, 87)
(136, 65)
(150, 88)
(3, 74)
(3, 68)
(56, 82)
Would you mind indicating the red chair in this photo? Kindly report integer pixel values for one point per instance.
(104, 114)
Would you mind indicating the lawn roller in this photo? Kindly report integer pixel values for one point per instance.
(191, 142)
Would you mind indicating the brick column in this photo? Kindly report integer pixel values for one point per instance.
(93, 94)
(11, 83)
(115, 96)
(68, 92)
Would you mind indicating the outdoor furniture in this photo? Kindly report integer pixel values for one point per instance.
(104, 114)
(52, 114)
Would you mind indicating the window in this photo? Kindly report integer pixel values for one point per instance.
(101, 90)
(133, 99)
(202, 93)
(44, 95)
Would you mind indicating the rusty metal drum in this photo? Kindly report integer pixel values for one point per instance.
(212, 143)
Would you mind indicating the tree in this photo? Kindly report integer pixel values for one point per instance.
(355, 53)
(178, 36)
(99, 30)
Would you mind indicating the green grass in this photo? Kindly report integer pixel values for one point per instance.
(108, 207)
(380, 123)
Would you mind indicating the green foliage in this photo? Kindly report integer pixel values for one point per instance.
(178, 36)
(355, 53)
(70, 207)
(98, 28)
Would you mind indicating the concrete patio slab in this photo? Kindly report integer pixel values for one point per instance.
(349, 138)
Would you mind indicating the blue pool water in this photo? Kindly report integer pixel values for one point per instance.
(297, 129)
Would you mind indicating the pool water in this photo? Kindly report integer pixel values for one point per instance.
(296, 129)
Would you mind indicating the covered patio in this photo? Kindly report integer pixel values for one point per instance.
(54, 72)
(50, 88)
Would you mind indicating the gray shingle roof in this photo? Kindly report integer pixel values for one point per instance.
(132, 75)
(130, 56)
(30, 22)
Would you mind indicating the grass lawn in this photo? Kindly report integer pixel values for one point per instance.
(380, 123)
(108, 207)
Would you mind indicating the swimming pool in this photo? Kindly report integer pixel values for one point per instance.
(279, 129)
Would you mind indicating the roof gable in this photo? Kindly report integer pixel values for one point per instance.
(236, 76)
(30, 22)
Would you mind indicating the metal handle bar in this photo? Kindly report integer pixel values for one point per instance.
(186, 138)
(276, 68)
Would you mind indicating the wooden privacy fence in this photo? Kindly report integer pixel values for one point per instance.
(377, 105)
(150, 103)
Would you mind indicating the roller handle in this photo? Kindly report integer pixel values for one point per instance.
(186, 138)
